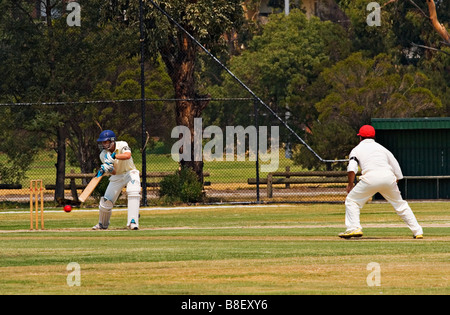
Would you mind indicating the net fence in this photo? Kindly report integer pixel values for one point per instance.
(243, 139)
(235, 168)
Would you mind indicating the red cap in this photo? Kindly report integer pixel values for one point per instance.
(367, 131)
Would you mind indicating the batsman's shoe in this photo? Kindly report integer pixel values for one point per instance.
(133, 225)
(99, 226)
(418, 237)
(351, 233)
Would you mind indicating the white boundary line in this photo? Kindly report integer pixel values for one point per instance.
(157, 208)
(193, 228)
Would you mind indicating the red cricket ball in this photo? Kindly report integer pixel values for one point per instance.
(68, 208)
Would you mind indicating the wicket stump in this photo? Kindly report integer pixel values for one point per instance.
(36, 192)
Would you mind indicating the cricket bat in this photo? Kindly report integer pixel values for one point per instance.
(90, 188)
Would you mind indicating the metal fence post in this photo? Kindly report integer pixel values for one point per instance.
(255, 106)
(143, 109)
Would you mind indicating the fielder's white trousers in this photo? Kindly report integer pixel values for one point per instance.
(386, 185)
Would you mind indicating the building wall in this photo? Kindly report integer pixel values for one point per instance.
(422, 147)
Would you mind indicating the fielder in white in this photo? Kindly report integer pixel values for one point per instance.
(380, 172)
(117, 161)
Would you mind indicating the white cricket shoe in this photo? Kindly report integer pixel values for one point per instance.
(99, 226)
(133, 225)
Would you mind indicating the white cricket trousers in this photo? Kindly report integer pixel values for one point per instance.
(386, 185)
(132, 181)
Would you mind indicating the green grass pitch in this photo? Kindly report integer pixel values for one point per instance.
(227, 250)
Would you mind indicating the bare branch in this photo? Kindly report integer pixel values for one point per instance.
(430, 48)
(440, 28)
(418, 8)
(412, 2)
(389, 2)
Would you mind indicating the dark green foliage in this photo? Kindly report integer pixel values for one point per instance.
(182, 186)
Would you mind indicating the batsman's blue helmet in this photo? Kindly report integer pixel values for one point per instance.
(106, 135)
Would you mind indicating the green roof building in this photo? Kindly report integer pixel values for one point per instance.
(422, 147)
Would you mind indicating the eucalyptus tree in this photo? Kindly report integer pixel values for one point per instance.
(206, 20)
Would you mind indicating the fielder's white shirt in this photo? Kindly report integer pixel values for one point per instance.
(373, 158)
(120, 166)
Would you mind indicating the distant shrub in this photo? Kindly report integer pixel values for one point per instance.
(182, 186)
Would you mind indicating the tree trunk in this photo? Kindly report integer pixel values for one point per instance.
(51, 45)
(89, 161)
(60, 131)
(180, 61)
(85, 149)
(60, 165)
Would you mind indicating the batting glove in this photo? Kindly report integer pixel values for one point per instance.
(110, 158)
(107, 168)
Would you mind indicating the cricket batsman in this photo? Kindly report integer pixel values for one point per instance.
(117, 161)
(380, 172)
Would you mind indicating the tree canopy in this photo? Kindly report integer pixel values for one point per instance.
(330, 77)
(281, 63)
(362, 88)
